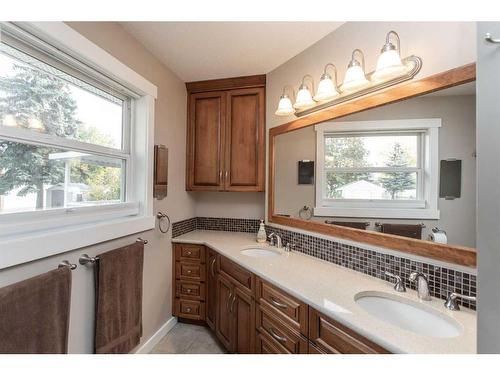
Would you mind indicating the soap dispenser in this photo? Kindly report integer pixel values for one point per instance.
(261, 234)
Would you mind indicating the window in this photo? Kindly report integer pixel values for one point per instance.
(76, 140)
(377, 169)
(81, 159)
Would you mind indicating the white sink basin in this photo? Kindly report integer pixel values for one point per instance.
(407, 314)
(260, 252)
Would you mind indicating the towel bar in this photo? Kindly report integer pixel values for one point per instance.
(87, 259)
(66, 263)
(377, 224)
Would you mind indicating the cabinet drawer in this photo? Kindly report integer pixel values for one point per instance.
(313, 349)
(190, 271)
(189, 290)
(190, 309)
(332, 337)
(289, 309)
(280, 333)
(189, 252)
(243, 277)
(264, 344)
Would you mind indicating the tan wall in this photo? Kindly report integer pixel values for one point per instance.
(457, 139)
(441, 45)
(170, 130)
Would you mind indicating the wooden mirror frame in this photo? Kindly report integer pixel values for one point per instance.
(461, 255)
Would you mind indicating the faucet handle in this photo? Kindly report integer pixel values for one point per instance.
(451, 301)
(289, 246)
(272, 238)
(399, 286)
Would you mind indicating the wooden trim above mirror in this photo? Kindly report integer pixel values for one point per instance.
(464, 256)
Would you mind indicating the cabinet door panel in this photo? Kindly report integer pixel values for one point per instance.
(207, 114)
(224, 322)
(245, 133)
(211, 301)
(243, 310)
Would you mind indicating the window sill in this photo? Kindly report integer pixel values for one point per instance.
(380, 213)
(26, 248)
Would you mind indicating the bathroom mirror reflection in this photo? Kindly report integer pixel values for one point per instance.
(406, 169)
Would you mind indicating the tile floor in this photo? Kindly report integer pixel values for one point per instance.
(188, 339)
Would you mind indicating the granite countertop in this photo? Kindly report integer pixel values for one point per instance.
(330, 289)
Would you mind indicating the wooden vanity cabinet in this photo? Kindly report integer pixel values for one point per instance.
(211, 286)
(226, 135)
(235, 323)
(251, 315)
(189, 291)
(329, 336)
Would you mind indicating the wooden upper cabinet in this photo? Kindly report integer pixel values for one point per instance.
(245, 133)
(206, 126)
(226, 135)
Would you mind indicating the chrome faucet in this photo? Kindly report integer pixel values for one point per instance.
(274, 237)
(452, 304)
(422, 285)
(399, 286)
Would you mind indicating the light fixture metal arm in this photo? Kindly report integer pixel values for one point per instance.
(353, 57)
(311, 80)
(291, 89)
(334, 72)
(398, 40)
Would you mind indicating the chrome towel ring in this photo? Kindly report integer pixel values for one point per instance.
(161, 218)
(490, 39)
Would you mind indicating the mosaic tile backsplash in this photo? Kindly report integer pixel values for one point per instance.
(442, 281)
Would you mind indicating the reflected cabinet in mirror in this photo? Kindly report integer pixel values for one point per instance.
(397, 171)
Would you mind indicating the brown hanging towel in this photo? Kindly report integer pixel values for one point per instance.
(34, 314)
(405, 230)
(118, 281)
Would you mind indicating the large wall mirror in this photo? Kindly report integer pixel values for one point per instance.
(399, 172)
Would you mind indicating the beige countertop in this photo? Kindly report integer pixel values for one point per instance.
(330, 289)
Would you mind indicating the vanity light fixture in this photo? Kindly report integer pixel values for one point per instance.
(304, 97)
(389, 63)
(285, 107)
(391, 70)
(355, 77)
(327, 89)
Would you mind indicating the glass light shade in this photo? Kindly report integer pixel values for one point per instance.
(354, 78)
(326, 90)
(389, 65)
(304, 98)
(285, 107)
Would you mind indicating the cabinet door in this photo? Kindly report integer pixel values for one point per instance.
(205, 139)
(211, 299)
(224, 321)
(245, 140)
(243, 310)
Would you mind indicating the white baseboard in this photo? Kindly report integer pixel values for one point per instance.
(147, 346)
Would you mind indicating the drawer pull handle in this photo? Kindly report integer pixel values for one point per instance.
(278, 304)
(188, 309)
(213, 267)
(189, 271)
(189, 253)
(276, 336)
(188, 290)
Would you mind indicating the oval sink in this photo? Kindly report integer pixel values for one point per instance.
(408, 314)
(259, 252)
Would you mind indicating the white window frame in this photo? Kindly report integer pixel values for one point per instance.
(426, 205)
(26, 236)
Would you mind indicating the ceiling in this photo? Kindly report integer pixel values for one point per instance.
(208, 50)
